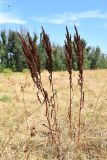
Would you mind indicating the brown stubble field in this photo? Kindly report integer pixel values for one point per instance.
(22, 134)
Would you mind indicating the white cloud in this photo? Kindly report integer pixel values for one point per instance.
(39, 19)
(57, 20)
(73, 17)
(92, 14)
(9, 18)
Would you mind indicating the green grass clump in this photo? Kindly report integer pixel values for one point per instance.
(7, 71)
(5, 98)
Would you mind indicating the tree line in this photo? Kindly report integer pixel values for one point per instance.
(12, 57)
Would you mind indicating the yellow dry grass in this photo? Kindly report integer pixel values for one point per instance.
(20, 113)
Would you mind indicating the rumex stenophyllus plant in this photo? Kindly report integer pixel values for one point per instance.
(53, 112)
(49, 100)
(68, 54)
(79, 51)
(33, 61)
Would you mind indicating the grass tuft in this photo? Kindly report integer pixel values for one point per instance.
(5, 99)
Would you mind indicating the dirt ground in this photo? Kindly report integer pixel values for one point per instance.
(20, 112)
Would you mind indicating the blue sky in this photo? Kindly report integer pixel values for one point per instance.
(89, 15)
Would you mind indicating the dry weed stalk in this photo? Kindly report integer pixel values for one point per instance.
(25, 108)
(47, 45)
(68, 55)
(33, 61)
(11, 136)
(79, 50)
(53, 112)
(48, 49)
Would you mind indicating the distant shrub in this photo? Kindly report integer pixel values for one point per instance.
(7, 71)
(1, 68)
(25, 70)
(5, 98)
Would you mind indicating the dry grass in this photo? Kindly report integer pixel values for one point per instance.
(19, 142)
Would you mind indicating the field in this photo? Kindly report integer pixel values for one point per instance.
(22, 134)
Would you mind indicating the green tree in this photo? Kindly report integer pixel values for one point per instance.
(3, 50)
(59, 62)
(16, 57)
(94, 57)
(42, 53)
